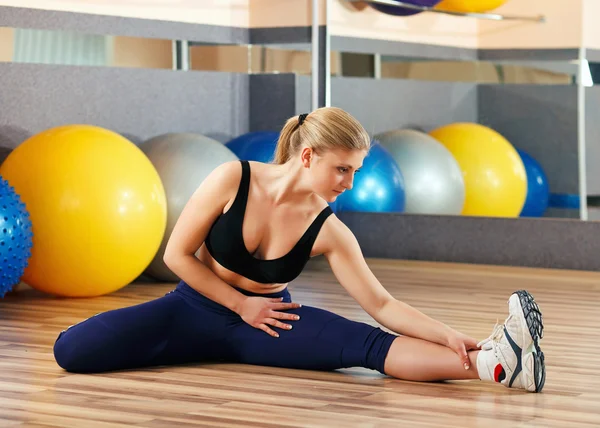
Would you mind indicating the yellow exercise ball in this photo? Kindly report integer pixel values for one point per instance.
(470, 6)
(493, 172)
(97, 205)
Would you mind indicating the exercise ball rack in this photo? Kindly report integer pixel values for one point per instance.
(490, 16)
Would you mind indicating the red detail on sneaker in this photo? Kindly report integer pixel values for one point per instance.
(499, 373)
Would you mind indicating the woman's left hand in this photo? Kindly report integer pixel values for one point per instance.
(461, 343)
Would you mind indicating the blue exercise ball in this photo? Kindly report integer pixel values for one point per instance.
(255, 146)
(377, 187)
(538, 191)
(16, 237)
(404, 11)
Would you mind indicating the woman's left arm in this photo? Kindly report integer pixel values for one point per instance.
(351, 270)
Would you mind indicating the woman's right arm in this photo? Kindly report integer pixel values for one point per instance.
(191, 229)
(189, 233)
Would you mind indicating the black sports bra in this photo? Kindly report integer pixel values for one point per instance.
(225, 243)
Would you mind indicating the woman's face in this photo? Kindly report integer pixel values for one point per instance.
(332, 172)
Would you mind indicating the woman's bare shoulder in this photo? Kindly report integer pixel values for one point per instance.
(334, 235)
(337, 230)
(224, 177)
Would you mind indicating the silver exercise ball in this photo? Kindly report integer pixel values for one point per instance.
(183, 161)
(433, 180)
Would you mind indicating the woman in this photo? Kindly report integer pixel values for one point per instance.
(256, 226)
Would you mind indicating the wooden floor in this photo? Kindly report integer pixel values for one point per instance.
(35, 392)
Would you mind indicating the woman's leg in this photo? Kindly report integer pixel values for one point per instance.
(419, 360)
(163, 331)
(510, 356)
(319, 340)
(322, 340)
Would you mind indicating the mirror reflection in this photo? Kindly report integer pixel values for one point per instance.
(523, 150)
(477, 137)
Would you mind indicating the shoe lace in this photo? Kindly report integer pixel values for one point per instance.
(491, 341)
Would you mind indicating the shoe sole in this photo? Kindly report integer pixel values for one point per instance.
(532, 318)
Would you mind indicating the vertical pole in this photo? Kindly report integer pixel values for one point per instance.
(315, 55)
(181, 55)
(327, 80)
(581, 143)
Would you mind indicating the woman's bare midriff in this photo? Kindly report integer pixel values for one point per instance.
(235, 279)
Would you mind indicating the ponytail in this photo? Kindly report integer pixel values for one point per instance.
(288, 141)
(326, 128)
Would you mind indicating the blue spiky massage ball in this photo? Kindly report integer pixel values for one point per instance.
(16, 237)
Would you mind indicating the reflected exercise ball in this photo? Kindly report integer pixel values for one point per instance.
(433, 181)
(404, 11)
(255, 146)
(538, 191)
(97, 207)
(377, 187)
(494, 175)
(470, 6)
(183, 161)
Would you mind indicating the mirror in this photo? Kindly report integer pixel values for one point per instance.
(282, 86)
(534, 105)
(75, 48)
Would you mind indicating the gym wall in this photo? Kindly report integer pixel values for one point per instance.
(132, 81)
(563, 28)
(139, 103)
(518, 77)
(231, 13)
(591, 31)
(385, 104)
(347, 20)
(6, 44)
(445, 72)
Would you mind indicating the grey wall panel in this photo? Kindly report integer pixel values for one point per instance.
(19, 17)
(272, 101)
(593, 213)
(540, 119)
(139, 103)
(303, 94)
(566, 54)
(564, 213)
(592, 139)
(400, 49)
(301, 35)
(592, 55)
(542, 243)
(387, 104)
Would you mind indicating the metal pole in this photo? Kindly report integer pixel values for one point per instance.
(327, 80)
(181, 55)
(581, 143)
(315, 55)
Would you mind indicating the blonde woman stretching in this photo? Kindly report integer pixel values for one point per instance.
(256, 226)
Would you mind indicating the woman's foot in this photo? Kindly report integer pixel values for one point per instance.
(512, 354)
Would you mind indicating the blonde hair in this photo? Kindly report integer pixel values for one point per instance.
(324, 129)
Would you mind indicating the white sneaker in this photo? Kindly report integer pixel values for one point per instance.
(512, 355)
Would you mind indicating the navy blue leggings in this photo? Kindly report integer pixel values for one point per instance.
(184, 326)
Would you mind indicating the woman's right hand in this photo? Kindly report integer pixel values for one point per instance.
(260, 312)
